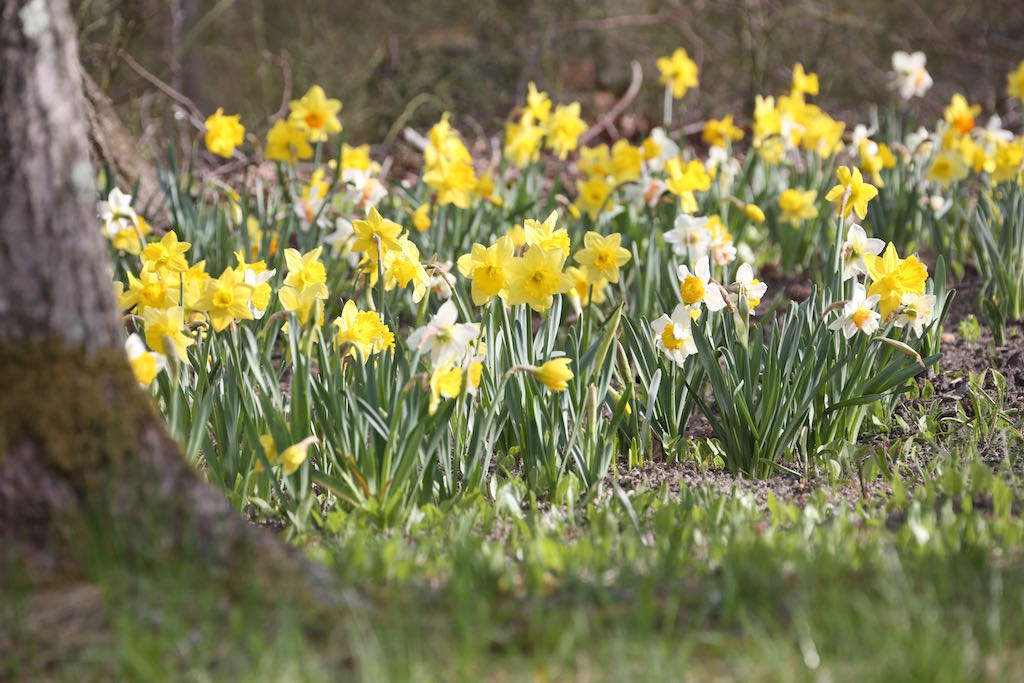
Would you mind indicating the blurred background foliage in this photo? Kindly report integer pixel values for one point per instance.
(403, 62)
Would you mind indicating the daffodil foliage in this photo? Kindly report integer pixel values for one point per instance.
(324, 333)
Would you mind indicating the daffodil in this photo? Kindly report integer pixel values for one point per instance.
(592, 195)
(892, 277)
(721, 132)
(304, 302)
(554, 374)
(678, 72)
(148, 290)
(915, 311)
(658, 148)
(145, 364)
(754, 213)
(536, 277)
(1015, 82)
(523, 141)
(223, 133)
(444, 338)
(696, 287)
(858, 314)
(689, 236)
(852, 193)
(453, 179)
(287, 142)
(748, 287)
(117, 213)
(674, 335)
(487, 268)
(167, 255)
(804, 83)
(445, 382)
(365, 331)
(721, 248)
(402, 267)
(960, 115)
(538, 104)
(315, 114)
(421, 218)
(602, 257)
(165, 331)
(946, 168)
(545, 235)
(304, 270)
(686, 178)
(855, 248)
(564, 127)
(798, 205)
(292, 457)
(584, 290)
(373, 229)
(226, 299)
(909, 77)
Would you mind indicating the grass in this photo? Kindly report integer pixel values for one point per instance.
(921, 580)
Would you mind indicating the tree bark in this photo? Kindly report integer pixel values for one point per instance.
(80, 442)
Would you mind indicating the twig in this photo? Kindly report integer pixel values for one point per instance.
(607, 121)
(286, 76)
(196, 117)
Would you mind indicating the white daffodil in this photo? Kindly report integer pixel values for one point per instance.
(858, 244)
(748, 286)
(994, 131)
(145, 364)
(696, 287)
(727, 167)
(858, 315)
(117, 213)
(909, 76)
(674, 335)
(644, 191)
(445, 339)
(919, 144)
(442, 280)
(362, 189)
(915, 311)
(689, 236)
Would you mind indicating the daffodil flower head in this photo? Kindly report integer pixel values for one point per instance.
(315, 114)
(487, 268)
(852, 193)
(545, 235)
(673, 335)
(892, 277)
(678, 72)
(445, 382)
(858, 314)
(145, 364)
(226, 299)
(696, 287)
(749, 287)
(443, 337)
(167, 254)
(223, 133)
(915, 311)
(602, 257)
(690, 236)
(536, 277)
(855, 248)
(554, 374)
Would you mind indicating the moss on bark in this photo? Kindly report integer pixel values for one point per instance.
(81, 412)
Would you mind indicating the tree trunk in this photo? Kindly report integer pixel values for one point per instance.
(80, 442)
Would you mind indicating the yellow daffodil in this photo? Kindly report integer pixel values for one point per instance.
(545, 235)
(364, 330)
(564, 127)
(487, 268)
(538, 104)
(445, 382)
(602, 257)
(678, 72)
(892, 277)
(720, 132)
(165, 331)
(960, 115)
(852, 193)
(304, 270)
(804, 83)
(315, 114)
(375, 227)
(223, 133)
(522, 141)
(798, 205)
(554, 374)
(148, 290)
(226, 299)
(592, 195)
(754, 213)
(421, 218)
(304, 302)
(287, 142)
(686, 178)
(167, 255)
(1015, 82)
(536, 277)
